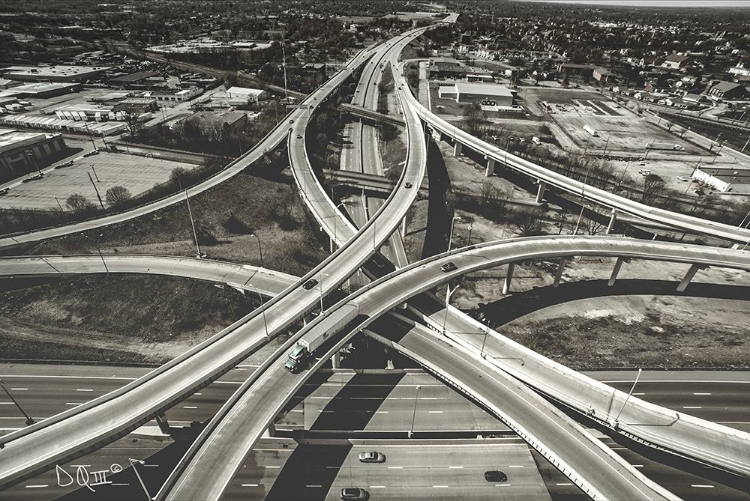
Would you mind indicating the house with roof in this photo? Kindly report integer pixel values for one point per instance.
(727, 90)
(675, 62)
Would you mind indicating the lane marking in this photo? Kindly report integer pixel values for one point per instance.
(439, 486)
(515, 466)
(41, 486)
(377, 487)
(435, 412)
(701, 393)
(119, 485)
(249, 485)
(72, 403)
(314, 485)
(455, 467)
(702, 486)
(189, 407)
(564, 484)
(272, 467)
(6, 403)
(84, 389)
(19, 389)
(692, 407)
(395, 467)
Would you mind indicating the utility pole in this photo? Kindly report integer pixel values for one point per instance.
(91, 136)
(628, 397)
(283, 55)
(414, 414)
(94, 170)
(96, 190)
(30, 154)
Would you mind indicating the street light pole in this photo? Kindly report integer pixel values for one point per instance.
(414, 414)
(138, 475)
(29, 419)
(192, 223)
(100, 252)
(448, 294)
(260, 248)
(628, 397)
(450, 237)
(263, 312)
(583, 206)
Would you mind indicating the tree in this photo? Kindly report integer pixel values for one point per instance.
(652, 186)
(78, 203)
(528, 223)
(474, 117)
(134, 125)
(117, 195)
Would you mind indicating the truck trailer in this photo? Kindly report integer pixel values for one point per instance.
(311, 340)
(590, 130)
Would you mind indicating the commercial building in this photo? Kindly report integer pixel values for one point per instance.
(40, 90)
(603, 75)
(22, 152)
(468, 92)
(728, 90)
(175, 96)
(84, 112)
(441, 68)
(133, 80)
(53, 73)
(246, 94)
(723, 179)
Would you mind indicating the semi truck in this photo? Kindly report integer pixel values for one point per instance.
(312, 339)
(590, 130)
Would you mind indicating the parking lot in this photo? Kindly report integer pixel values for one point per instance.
(621, 130)
(137, 174)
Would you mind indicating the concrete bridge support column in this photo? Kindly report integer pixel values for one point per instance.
(616, 271)
(540, 192)
(612, 221)
(336, 360)
(308, 318)
(389, 362)
(689, 276)
(163, 424)
(490, 170)
(457, 148)
(560, 269)
(508, 278)
(403, 227)
(271, 431)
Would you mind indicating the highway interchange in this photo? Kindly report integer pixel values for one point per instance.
(152, 396)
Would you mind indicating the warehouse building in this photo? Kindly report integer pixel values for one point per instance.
(724, 179)
(483, 93)
(22, 152)
(246, 94)
(53, 73)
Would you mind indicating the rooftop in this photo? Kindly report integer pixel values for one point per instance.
(11, 138)
(483, 88)
(244, 91)
(53, 70)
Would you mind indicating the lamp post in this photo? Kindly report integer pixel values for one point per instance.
(448, 294)
(260, 248)
(29, 419)
(414, 414)
(192, 223)
(583, 206)
(100, 252)
(628, 397)
(133, 462)
(322, 311)
(263, 312)
(450, 237)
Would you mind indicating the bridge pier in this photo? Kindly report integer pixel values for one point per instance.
(457, 148)
(403, 227)
(616, 271)
(389, 362)
(271, 431)
(560, 269)
(540, 192)
(336, 360)
(508, 278)
(689, 276)
(490, 170)
(308, 318)
(612, 221)
(161, 420)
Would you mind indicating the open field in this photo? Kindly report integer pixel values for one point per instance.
(137, 174)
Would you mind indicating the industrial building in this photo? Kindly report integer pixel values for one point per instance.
(468, 92)
(175, 96)
(53, 73)
(728, 90)
(246, 94)
(40, 90)
(22, 152)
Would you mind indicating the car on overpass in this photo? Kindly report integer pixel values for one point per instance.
(371, 457)
(495, 476)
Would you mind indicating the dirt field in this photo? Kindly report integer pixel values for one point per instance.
(137, 174)
(135, 319)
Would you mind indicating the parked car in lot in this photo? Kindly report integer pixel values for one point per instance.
(354, 493)
(449, 267)
(683, 178)
(371, 457)
(35, 177)
(495, 476)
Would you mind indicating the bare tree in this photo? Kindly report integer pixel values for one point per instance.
(528, 223)
(78, 203)
(117, 195)
(652, 186)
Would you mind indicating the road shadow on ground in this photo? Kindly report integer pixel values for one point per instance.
(519, 304)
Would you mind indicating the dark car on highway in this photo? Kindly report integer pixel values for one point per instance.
(448, 267)
(310, 284)
(495, 476)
